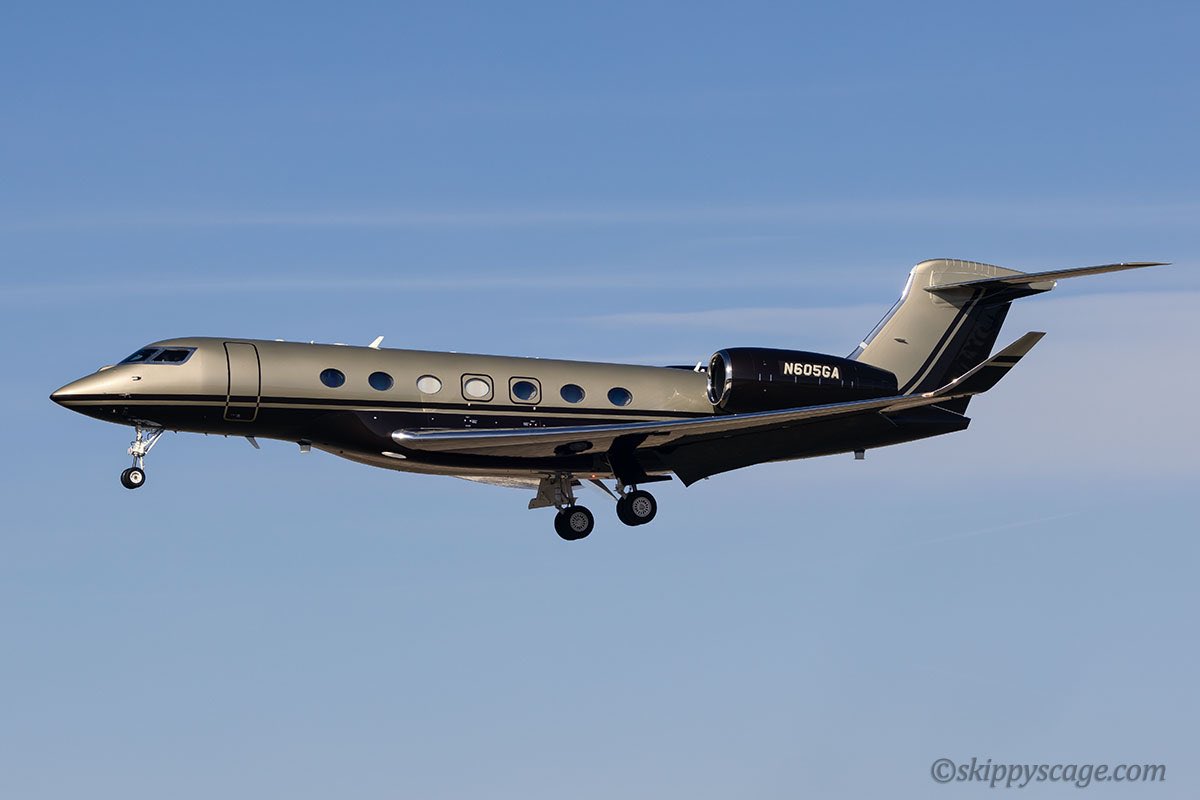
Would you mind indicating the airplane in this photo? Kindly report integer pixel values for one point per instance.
(548, 425)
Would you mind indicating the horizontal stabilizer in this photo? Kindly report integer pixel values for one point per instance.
(980, 378)
(1027, 278)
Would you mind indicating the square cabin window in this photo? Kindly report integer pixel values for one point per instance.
(525, 390)
(477, 388)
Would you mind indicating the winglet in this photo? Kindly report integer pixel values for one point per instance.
(984, 376)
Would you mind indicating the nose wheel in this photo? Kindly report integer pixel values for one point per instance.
(144, 438)
(133, 478)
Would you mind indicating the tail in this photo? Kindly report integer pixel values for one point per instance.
(949, 316)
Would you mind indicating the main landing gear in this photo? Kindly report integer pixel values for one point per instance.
(145, 437)
(573, 521)
(636, 507)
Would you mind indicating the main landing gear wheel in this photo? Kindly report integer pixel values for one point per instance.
(133, 478)
(637, 508)
(574, 522)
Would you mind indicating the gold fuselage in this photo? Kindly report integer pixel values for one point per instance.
(274, 389)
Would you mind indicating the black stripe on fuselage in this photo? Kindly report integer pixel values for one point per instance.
(383, 405)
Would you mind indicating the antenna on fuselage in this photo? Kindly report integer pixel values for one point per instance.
(375, 344)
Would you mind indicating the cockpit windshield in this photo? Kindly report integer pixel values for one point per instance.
(172, 355)
(160, 355)
(141, 355)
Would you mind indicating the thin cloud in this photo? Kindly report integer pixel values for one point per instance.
(745, 319)
(1007, 526)
(554, 280)
(1026, 213)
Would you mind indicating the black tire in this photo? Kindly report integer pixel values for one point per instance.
(560, 526)
(133, 478)
(574, 523)
(640, 506)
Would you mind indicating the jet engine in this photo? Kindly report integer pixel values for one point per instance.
(743, 379)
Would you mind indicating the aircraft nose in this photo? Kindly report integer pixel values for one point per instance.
(76, 390)
(64, 395)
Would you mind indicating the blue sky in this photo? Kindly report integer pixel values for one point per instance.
(642, 182)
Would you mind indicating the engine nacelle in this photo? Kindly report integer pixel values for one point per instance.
(744, 379)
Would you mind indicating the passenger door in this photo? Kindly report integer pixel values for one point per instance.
(245, 381)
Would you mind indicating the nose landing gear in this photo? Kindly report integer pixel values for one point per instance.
(133, 477)
(145, 437)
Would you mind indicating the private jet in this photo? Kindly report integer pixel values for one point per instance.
(549, 425)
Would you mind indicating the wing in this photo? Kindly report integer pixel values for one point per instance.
(566, 441)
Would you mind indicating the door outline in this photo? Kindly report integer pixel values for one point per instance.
(240, 406)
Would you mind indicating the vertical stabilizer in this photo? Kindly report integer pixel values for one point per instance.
(931, 337)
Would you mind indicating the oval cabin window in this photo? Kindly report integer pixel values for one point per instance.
(333, 378)
(619, 397)
(381, 381)
(428, 384)
(571, 393)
